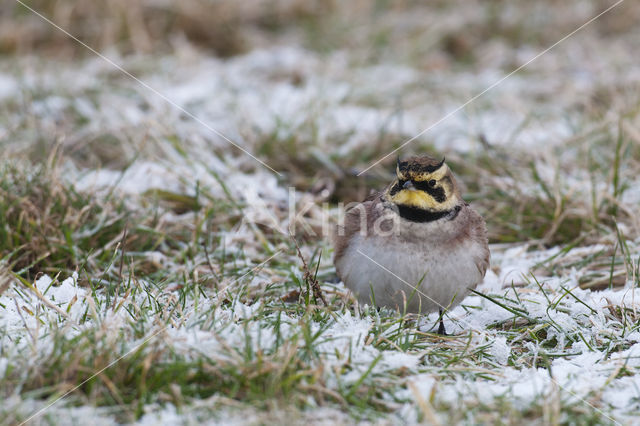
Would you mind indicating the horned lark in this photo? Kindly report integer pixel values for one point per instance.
(416, 246)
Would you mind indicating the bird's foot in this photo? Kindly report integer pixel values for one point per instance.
(441, 329)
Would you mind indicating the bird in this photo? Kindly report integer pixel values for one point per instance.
(416, 246)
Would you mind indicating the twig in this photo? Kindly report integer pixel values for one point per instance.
(213, 272)
(122, 254)
(33, 338)
(123, 249)
(308, 277)
(5, 281)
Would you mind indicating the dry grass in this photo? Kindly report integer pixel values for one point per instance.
(229, 27)
(235, 334)
(145, 26)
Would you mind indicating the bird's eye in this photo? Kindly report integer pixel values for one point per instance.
(432, 183)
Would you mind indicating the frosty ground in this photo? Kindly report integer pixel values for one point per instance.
(148, 273)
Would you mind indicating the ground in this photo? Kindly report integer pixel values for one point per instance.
(153, 201)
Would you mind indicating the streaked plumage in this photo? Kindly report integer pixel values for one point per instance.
(418, 231)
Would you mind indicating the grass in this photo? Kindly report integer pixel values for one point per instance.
(184, 303)
(273, 356)
(48, 226)
(294, 369)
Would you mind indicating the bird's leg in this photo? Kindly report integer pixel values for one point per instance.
(441, 329)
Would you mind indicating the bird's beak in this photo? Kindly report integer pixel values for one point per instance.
(408, 185)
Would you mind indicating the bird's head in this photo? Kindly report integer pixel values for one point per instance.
(424, 183)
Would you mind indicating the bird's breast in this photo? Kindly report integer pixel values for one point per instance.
(391, 265)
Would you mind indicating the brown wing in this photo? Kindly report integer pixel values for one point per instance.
(360, 216)
(479, 234)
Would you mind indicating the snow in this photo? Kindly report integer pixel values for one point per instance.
(59, 414)
(338, 107)
(578, 374)
(23, 310)
(8, 87)
(500, 350)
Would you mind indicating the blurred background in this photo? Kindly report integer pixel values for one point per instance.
(441, 33)
(320, 90)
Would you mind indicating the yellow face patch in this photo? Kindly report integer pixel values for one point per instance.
(421, 200)
(415, 198)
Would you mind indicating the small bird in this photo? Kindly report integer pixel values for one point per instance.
(417, 246)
